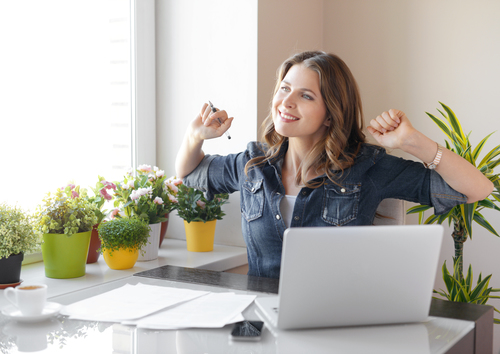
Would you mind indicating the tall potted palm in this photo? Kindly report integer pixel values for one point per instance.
(463, 216)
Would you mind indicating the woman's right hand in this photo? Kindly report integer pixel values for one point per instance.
(205, 126)
(209, 125)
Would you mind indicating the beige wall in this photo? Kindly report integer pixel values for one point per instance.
(206, 50)
(410, 55)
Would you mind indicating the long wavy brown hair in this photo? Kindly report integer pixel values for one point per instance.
(343, 138)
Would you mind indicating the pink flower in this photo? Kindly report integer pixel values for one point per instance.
(160, 173)
(158, 201)
(173, 199)
(109, 185)
(172, 188)
(71, 186)
(74, 195)
(144, 168)
(105, 194)
(125, 186)
(201, 204)
(114, 213)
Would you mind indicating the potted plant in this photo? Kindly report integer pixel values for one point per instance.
(65, 219)
(121, 241)
(200, 216)
(16, 238)
(101, 195)
(143, 196)
(462, 216)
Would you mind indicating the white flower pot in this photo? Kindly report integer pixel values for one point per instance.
(151, 249)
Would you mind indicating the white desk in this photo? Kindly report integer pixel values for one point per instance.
(67, 336)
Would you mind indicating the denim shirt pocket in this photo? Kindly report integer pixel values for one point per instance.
(252, 195)
(340, 203)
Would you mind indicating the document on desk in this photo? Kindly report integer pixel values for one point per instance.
(129, 302)
(213, 310)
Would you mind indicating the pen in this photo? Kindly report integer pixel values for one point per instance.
(218, 119)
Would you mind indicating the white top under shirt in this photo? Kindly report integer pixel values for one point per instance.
(286, 206)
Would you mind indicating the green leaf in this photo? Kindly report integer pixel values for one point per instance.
(447, 278)
(484, 223)
(486, 203)
(468, 279)
(480, 146)
(490, 156)
(441, 124)
(418, 209)
(478, 290)
(467, 212)
(455, 124)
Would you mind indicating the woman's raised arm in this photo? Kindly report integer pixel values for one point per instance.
(205, 126)
(392, 129)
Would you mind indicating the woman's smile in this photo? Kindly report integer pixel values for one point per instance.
(287, 117)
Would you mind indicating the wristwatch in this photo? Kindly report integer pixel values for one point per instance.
(434, 163)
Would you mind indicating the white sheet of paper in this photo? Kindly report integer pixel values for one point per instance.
(129, 302)
(214, 310)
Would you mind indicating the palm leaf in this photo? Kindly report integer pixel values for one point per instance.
(480, 146)
(479, 289)
(431, 219)
(484, 223)
(441, 124)
(455, 124)
(418, 209)
(490, 156)
(486, 203)
(467, 212)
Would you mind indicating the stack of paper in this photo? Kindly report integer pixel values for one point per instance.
(158, 307)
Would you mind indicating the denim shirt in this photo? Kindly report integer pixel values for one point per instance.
(353, 200)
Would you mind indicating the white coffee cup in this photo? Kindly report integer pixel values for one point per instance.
(29, 299)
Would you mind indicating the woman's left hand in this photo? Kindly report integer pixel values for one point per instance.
(391, 129)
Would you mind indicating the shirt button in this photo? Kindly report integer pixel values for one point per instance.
(253, 189)
(343, 190)
(304, 193)
(278, 217)
(296, 218)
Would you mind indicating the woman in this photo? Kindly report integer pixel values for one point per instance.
(315, 168)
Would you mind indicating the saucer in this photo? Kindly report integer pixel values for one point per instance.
(11, 285)
(51, 309)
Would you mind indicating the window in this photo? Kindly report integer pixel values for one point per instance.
(68, 80)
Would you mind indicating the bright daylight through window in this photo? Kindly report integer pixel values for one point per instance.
(65, 95)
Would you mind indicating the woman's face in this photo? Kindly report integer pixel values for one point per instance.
(298, 108)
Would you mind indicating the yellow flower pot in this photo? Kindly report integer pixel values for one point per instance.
(123, 258)
(200, 235)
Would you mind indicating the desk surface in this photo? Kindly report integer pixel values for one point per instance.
(438, 335)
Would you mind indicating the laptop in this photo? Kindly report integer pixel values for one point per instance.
(354, 276)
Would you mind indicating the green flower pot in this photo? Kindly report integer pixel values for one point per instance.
(65, 256)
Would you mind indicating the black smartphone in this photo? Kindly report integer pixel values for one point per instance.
(247, 330)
